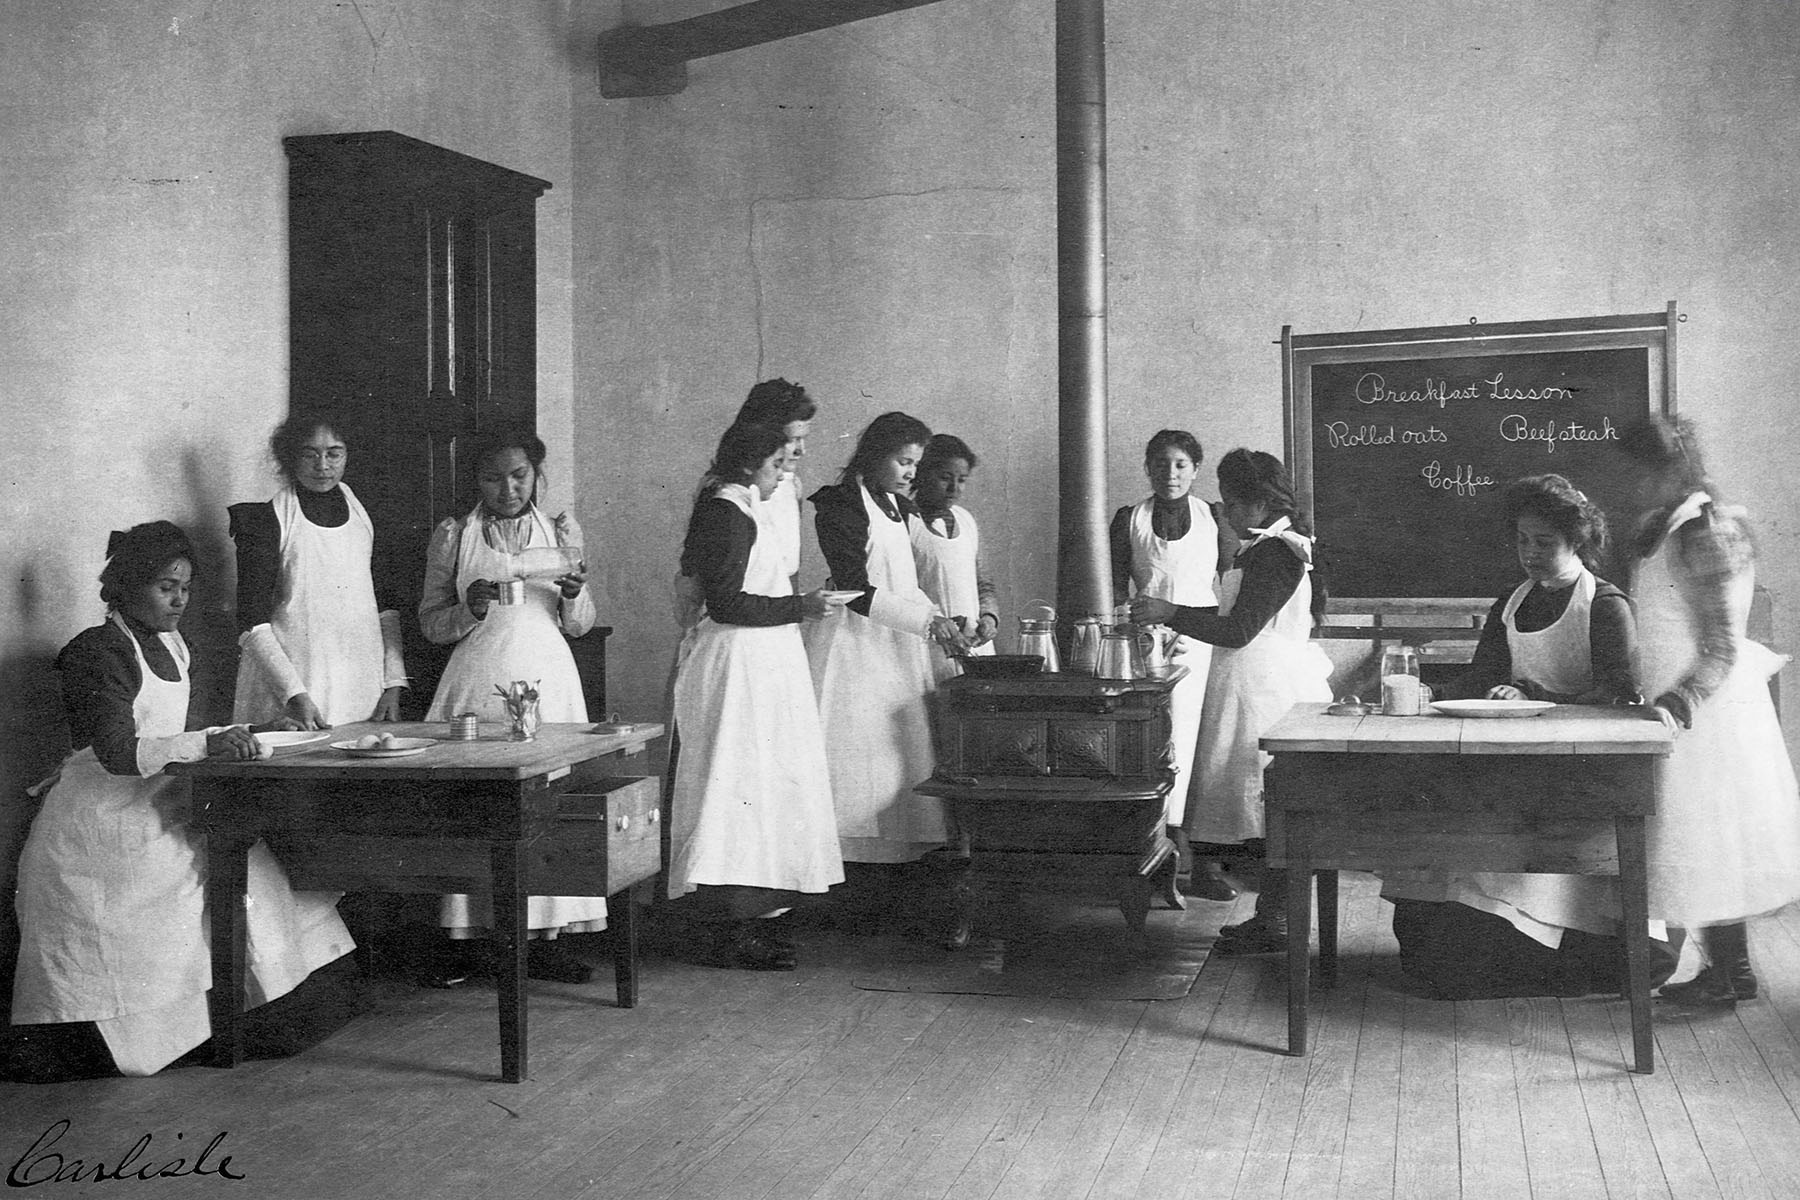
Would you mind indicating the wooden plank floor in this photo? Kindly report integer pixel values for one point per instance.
(733, 1085)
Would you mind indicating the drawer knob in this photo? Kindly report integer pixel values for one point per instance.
(623, 823)
(654, 813)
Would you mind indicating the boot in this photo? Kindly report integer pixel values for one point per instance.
(743, 946)
(1726, 978)
(1266, 932)
(1208, 881)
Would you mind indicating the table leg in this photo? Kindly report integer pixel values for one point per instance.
(621, 912)
(1328, 927)
(227, 879)
(1634, 909)
(1299, 915)
(509, 955)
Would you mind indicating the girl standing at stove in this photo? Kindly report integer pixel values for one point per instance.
(1168, 546)
(947, 547)
(1264, 663)
(873, 668)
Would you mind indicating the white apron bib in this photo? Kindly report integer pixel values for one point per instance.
(1724, 843)
(873, 685)
(947, 573)
(1247, 691)
(1182, 572)
(111, 902)
(514, 641)
(325, 618)
(752, 795)
(1559, 659)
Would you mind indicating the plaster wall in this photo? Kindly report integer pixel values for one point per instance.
(143, 264)
(870, 211)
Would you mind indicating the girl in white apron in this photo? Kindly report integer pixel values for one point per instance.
(1567, 636)
(947, 547)
(498, 642)
(111, 882)
(1263, 663)
(751, 816)
(1166, 546)
(314, 647)
(1724, 843)
(873, 670)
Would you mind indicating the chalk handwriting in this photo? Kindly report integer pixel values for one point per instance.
(1341, 435)
(1373, 389)
(41, 1164)
(1514, 427)
(1462, 480)
(1498, 391)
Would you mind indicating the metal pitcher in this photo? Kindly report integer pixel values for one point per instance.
(1154, 642)
(1118, 650)
(1037, 634)
(1084, 647)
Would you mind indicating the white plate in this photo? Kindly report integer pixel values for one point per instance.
(285, 739)
(841, 597)
(1492, 708)
(614, 727)
(402, 746)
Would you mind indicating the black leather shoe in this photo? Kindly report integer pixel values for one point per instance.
(1709, 989)
(1261, 934)
(547, 960)
(1208, 881)
(744, 948)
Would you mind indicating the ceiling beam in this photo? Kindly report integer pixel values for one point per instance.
(651, 60)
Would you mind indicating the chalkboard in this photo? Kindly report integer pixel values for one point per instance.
(1402, 441)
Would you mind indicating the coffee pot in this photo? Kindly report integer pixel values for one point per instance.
(1037, 634)
(1084, 647)
(1153, 642)
(1119, 656)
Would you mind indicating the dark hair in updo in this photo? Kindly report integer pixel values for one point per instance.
(942, 448)
(491, 442)
(291, 434)
(1173, 439)
(885, 435)
(777, 402)
(1668, 446)
(1256, 475)
(137, 556)
(742, 449)
(1562, 506)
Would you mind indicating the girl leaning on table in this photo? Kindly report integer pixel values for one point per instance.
(873, 669)
(316, 645)
(1567, 636)
(1263, 663)
(500, 639)
(1724, 842)
(947, 547)
(1169, 546)
(752, 824)
(114, 961)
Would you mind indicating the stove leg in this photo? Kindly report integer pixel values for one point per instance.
(1135, 904)
(961, 893)
(1167, 884)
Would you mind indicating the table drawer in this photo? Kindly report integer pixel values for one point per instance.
(612, 827)
(605, 838)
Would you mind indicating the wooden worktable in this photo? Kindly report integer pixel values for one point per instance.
(1564, 792)
(558, 815)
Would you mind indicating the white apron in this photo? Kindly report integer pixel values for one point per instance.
(1181, 572)
(873, 684)
(1247, 691)
(1559, 659)
(782, 528)
(1724, 844)
(514, 641)
(111, 903)
(947, 573)
(325, 618)
(752, 795)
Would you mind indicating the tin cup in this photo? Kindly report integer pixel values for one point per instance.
(464, 727)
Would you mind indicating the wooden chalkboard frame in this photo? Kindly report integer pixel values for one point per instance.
(1653, 333)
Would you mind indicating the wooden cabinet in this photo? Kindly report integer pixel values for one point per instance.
(413, 324)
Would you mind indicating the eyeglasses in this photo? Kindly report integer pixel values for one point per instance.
(334, 455)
